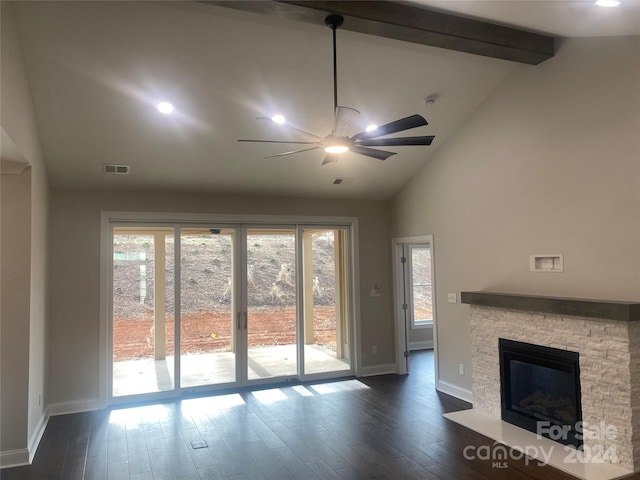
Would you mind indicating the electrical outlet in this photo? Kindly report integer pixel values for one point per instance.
(461, 369)
(374, 350)
(452, 298)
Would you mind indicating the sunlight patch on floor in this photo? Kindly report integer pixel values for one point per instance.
(212, 404)
(269, 396)
(302, 391)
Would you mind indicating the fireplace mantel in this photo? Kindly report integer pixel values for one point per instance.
(580, 307)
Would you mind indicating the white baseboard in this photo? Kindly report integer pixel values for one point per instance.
(17, 458)
(455, 391)
(14, 458)
(34, 441)
(377, 370)
(424, 345)
(63, 408)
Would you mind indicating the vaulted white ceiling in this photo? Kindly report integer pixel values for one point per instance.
(563, 18)
(97, 69)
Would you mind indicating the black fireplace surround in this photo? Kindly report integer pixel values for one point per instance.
(540, 390)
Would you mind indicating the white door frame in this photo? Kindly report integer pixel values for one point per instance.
(398, 300)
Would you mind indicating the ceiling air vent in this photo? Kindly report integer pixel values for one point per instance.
(342, 181)
(116, 169)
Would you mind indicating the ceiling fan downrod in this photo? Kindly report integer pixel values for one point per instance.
(338, 141)
(334, 22)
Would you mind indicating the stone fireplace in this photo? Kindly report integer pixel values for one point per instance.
(606, 337)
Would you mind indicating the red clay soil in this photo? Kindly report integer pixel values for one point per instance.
(132, 338)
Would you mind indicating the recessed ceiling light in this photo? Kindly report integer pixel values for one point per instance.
(279, 119)
(371, 128)
(607, 3)
(165, 107)
(336, 149)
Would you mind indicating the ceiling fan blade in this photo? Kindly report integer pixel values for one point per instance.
(406, 123)
(396, 142)
(330, 158)
(277, 141)
(345, 119)
(371, 152)
(294, 151)
(286, 125)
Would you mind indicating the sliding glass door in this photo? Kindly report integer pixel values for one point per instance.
(271, 303)
(201, 307)
(142, 305)
(325, 299)
(208, 353)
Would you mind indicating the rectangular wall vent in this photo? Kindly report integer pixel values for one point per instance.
(546, 263)
(117, 169)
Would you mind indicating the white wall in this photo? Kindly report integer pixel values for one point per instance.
(27, 195)
(420, 338)
(549, 164)
(75, 271)
(14, 310)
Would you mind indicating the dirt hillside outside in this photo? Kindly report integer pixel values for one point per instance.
(206, 293)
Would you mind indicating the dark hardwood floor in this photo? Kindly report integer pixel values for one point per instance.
(385, 427)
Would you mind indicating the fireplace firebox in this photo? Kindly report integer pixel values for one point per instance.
(540, 390)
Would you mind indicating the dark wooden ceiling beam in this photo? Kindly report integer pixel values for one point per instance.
(412, 24)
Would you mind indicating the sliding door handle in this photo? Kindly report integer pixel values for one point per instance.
(245, 319)
(239, 320)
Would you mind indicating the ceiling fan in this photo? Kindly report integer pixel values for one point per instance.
(338, 141)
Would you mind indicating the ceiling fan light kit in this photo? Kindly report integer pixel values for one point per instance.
(337, 148)
(338, 141)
